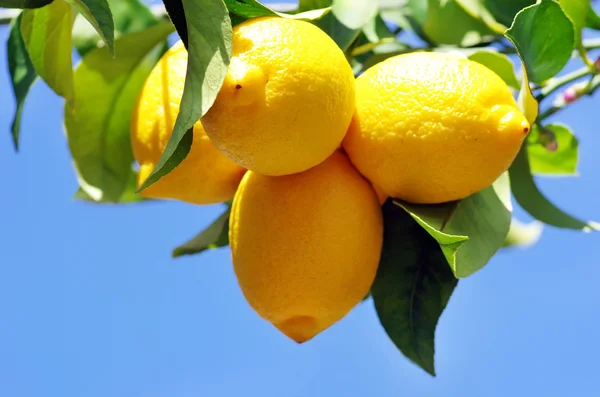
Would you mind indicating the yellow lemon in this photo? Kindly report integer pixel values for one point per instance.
(287, 100)
(205, 176)
(306, 247)
(432, 127)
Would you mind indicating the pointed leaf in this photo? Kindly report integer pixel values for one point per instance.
(214, 236)
(47, 36)
(498, 63)
(544, 38)
(98, 128)
(209, 52)
(563, 161)
(469, 231)
(22, 74)
(98, 14)
(24, 3)
(412, 286)
(533, 201)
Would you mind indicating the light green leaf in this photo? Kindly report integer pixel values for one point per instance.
(307, 5)
(523, 234)
(98, 14)
(209, 53)
(498, 63)
(129, 16)
(412, 286)
(128, 197)
(469, 231)
(214, 236)
(24, 3)
(563, 161)
(47, 35)
(98, 128)
(22, 74)
(577, 11)
(544, 38)
(354, 14)
(533, 201)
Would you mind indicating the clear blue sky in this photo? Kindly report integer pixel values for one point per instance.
(92, 305)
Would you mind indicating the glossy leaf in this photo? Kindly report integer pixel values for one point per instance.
(99, 15)
(469, 231)
(129, 16)
(214, 236)
(24, 3)
(22, 74)
(499, 63)
(247, 9)
(209, 53)
(533, 201)
(523, 234)
(544, 38)
(98, 128)
(412, 286)
(577, 11)
(47, 35)
(563, 161)
(505, 10)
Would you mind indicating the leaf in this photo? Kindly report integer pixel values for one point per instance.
(247, 9)
(209, 52)
(526, 102)
(129, 16)
(523, 234)
(563, 161)
(129, 196)
(307, 5)
(505, 10)
(22, 74)
(214, 236)
(412, 287)
(354, 14)
(478, 10)
(177, 14)
(577, 11)
(498, 63)
(47, 36)
(340, 33)
(469, 231)
(544, 39)
(592, 20)
(533, 201)
(98, 14)
(24, 3)
(98, 128)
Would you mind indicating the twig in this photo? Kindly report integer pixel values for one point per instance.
(589, 90)
(557, 82)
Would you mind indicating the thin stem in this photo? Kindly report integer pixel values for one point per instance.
(589, 90)
(557, 82)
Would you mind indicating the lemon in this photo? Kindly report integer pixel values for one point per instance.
(287, 99)
(306, 247)
(205, 176)
(432, 127)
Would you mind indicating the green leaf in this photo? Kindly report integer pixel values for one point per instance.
(533, 201)
(354, 14)
(47, 36)
(577, 11)
(505, 10)
(544, 38)
(98, 128)
(24, 3)
(129, 16)
(209, 53)
(478, 10)
(98, 14)
(563, 161)
(592, 20)
(247, 9)
(469, 231)
(22, 74)
(177, 15)
(526, 102)
(307, 5)
(523, 234)
(214, 236)
(340, 33)
(498, 63)
(412, 286)
(128, 197)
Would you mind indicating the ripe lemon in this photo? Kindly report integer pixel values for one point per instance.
(432, 127)
(306, 247)
(205, 176)
(287, 100)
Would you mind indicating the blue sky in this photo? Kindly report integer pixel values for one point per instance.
(92, 305)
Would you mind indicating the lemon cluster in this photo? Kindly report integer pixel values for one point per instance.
(309, 153)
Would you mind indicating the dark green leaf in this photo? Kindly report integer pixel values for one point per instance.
(563, 161)
(499, 63)
(98, 128)
(47, 35)
(341, 34)
(505, 10)
(209, 52)
(129, 16)
(98, 14)
(533, 201)
(214, 236)
(177, 14)
(592, 20)
(523, 234)
(469, 231)
(577, 11)
(544, 38)
(247, 9)
(24, 3)
(22, 74)
(412, 286)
